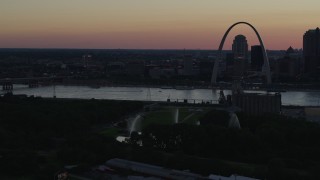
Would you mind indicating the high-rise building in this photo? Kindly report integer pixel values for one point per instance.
(311, 52)
(256, 58)
(240, 47)
(240, 52)
(288, 66)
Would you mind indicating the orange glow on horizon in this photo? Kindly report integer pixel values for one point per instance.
(143, 24)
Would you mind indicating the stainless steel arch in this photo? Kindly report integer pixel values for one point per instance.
(265, 56)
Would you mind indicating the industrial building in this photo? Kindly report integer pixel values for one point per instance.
(258, 104)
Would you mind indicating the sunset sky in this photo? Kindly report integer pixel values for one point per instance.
(153, 24)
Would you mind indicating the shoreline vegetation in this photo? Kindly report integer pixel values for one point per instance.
(188, 85)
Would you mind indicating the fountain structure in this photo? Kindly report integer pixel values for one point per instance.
(176, 116)
(134, 124)
(234, 121)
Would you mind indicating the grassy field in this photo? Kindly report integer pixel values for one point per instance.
(166, 115)
(158, 117)
(111, 132)
(163, 115)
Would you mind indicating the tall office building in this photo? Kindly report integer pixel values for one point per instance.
(240, 47)
(311, 52)
(256, 58)
(240, 52)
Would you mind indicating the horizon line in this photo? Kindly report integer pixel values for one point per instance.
(168, 49)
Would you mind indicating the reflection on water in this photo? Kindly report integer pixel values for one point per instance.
(140, 93)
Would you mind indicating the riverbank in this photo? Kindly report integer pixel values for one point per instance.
(277, 87)
(295, 98)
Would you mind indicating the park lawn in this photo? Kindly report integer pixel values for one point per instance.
(158, 117)
(195, 117)
(183, 113)
(110, 132)
(166, 115)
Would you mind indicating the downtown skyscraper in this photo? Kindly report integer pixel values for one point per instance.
(311, 52)
(240, 47)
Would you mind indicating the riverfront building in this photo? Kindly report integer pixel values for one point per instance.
(258, 104)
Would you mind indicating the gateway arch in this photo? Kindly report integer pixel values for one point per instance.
(265, 56)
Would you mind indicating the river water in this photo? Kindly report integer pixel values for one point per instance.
(302, 98)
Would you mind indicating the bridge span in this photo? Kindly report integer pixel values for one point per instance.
(7, 83)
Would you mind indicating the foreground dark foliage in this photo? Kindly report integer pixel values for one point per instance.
(39, 136)
(289, 147)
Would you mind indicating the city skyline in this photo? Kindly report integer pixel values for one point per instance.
(143, 24)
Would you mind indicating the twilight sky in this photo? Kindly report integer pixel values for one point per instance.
(153, 24)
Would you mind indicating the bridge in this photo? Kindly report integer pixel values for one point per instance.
(7, 83)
